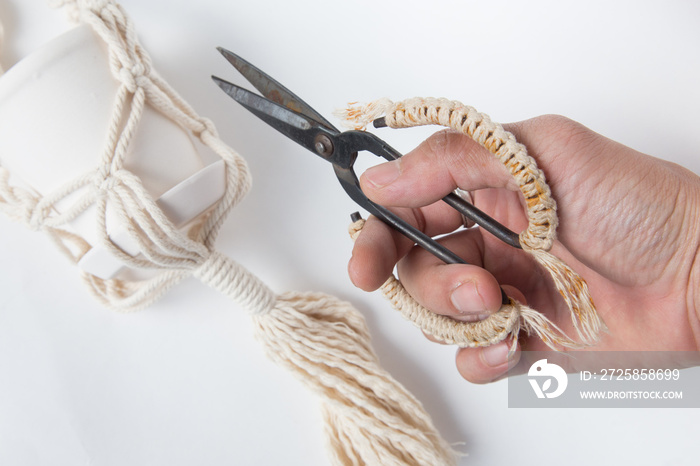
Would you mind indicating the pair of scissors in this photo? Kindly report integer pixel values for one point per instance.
(291, 116)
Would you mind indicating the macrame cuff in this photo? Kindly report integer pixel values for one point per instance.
(537, 239)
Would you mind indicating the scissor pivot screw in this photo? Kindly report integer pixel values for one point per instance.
(323, 145)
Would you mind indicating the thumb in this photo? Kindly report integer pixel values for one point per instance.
(445, 161)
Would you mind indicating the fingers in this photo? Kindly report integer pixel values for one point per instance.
(377, 250)
(374, 255)
(491, 363)
(463, 292)
(487, 364)
(416, 181)
(445, 161)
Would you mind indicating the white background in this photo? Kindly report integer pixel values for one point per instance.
(183, 382)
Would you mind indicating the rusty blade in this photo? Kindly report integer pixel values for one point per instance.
(272, 89)
(296, 126)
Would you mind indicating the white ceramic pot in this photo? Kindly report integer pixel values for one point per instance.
(55, 108)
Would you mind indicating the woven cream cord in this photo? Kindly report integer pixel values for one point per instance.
(370, 417)
(537, 239)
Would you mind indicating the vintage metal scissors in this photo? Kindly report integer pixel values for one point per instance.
(294, 118)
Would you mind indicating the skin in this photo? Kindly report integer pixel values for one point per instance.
(629, 224)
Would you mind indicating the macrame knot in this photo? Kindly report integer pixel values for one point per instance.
(233, 280)
(204, 125)
(19, 204)
(34, 213)
(106, 183)
(530, 240)
(133, 77)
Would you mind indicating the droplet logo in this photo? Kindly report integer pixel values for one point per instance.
(540, 376)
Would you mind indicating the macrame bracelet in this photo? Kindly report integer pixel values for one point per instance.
(536, 240)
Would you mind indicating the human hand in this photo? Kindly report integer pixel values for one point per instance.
(629, 224)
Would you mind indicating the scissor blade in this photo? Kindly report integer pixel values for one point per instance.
(294, 125)
(272, 89)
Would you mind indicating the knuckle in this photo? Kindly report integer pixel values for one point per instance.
(553, 121)
(444, 144)
(453, 153)
(557, 132)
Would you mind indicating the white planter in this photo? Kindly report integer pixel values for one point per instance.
(55, 108)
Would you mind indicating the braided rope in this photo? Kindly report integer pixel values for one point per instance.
(537, 239)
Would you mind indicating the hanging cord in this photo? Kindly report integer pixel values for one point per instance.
(536, 240)
(370, 417)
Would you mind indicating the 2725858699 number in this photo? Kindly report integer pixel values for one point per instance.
(640, 374)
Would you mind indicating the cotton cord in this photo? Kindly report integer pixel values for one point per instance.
(536, 240)
(370, 417)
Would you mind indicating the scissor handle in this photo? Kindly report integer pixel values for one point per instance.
(350, 183)
(349, 143)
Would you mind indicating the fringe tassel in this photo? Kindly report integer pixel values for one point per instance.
(574, 290)
(370, 417)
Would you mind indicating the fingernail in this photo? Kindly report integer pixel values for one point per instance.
(495, 355)
(383, 174)
(467, 300)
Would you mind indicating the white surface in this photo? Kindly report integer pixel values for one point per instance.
(183, 382)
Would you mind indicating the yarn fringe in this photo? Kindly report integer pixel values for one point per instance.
(574, 290)
(359, 116)
(370, 417)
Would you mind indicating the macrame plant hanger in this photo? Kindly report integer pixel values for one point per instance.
(370, 418)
